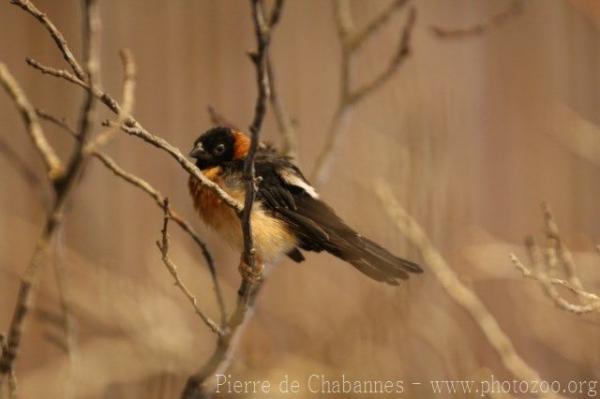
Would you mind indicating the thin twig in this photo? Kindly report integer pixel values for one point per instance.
(282, 117)
(54, 33)
(262, 33)
(564, 255)
(350, 42)
(548, 282)
(53, 164)
(63, 186)
(202, 383)
(284, 122)
(60, 122)
(133, 127)
(415, 234)
(356, 40)
(226, 344)
(557, 258)
(513, 9)
(159, 199)
(163, 246)
(400, 55)
(185, 225)
(59, 73)
(129, 81)
(276, 12)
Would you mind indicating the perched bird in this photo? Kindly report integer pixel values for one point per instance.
(288, 214)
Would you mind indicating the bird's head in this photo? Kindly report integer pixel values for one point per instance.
(218, 146)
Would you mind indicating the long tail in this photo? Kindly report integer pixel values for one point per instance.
(371, 259)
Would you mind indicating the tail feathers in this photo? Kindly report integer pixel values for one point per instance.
(371, 259)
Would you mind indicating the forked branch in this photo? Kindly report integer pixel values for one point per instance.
(163, 246)
(451, 283)
(549, 264)
(351, 41)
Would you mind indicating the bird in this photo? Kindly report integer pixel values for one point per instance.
(288, 215)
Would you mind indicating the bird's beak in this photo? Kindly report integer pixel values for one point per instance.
(198, 151)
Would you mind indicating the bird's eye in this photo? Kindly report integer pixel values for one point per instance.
(219, 149)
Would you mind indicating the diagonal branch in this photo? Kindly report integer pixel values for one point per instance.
(466, 298)
(159, 199)
(133, 127)
(51, 160)
(354, 41)
(163, 246)
(513, 9)
(54, 33)
(63, 186)
(185, 225)
(58, 73)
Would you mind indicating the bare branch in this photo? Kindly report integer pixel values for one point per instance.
(202, 383)
(133, 127)
(401, 54)
(350, 42)
(549, 282)
(51, 160)
(564, 255)
(163, 246)
(284, 122)
(185, 225)
(455, 288)
(557, 256)
(63, 186)
(54, 33)
(513, 9)
(344, 21)
(60, 122)
(226, 345)
(275, 14)
(59, 73)
(128, 96)
(159, 199)
(357, 39)
(262, 33)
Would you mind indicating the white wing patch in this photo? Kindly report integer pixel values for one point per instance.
(290, 177)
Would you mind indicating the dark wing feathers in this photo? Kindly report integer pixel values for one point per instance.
(284, 191)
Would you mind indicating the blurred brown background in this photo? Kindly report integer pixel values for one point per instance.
(472, 135)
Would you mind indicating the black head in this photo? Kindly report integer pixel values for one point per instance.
(214, 147)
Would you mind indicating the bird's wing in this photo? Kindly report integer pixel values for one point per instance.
(284, 191)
